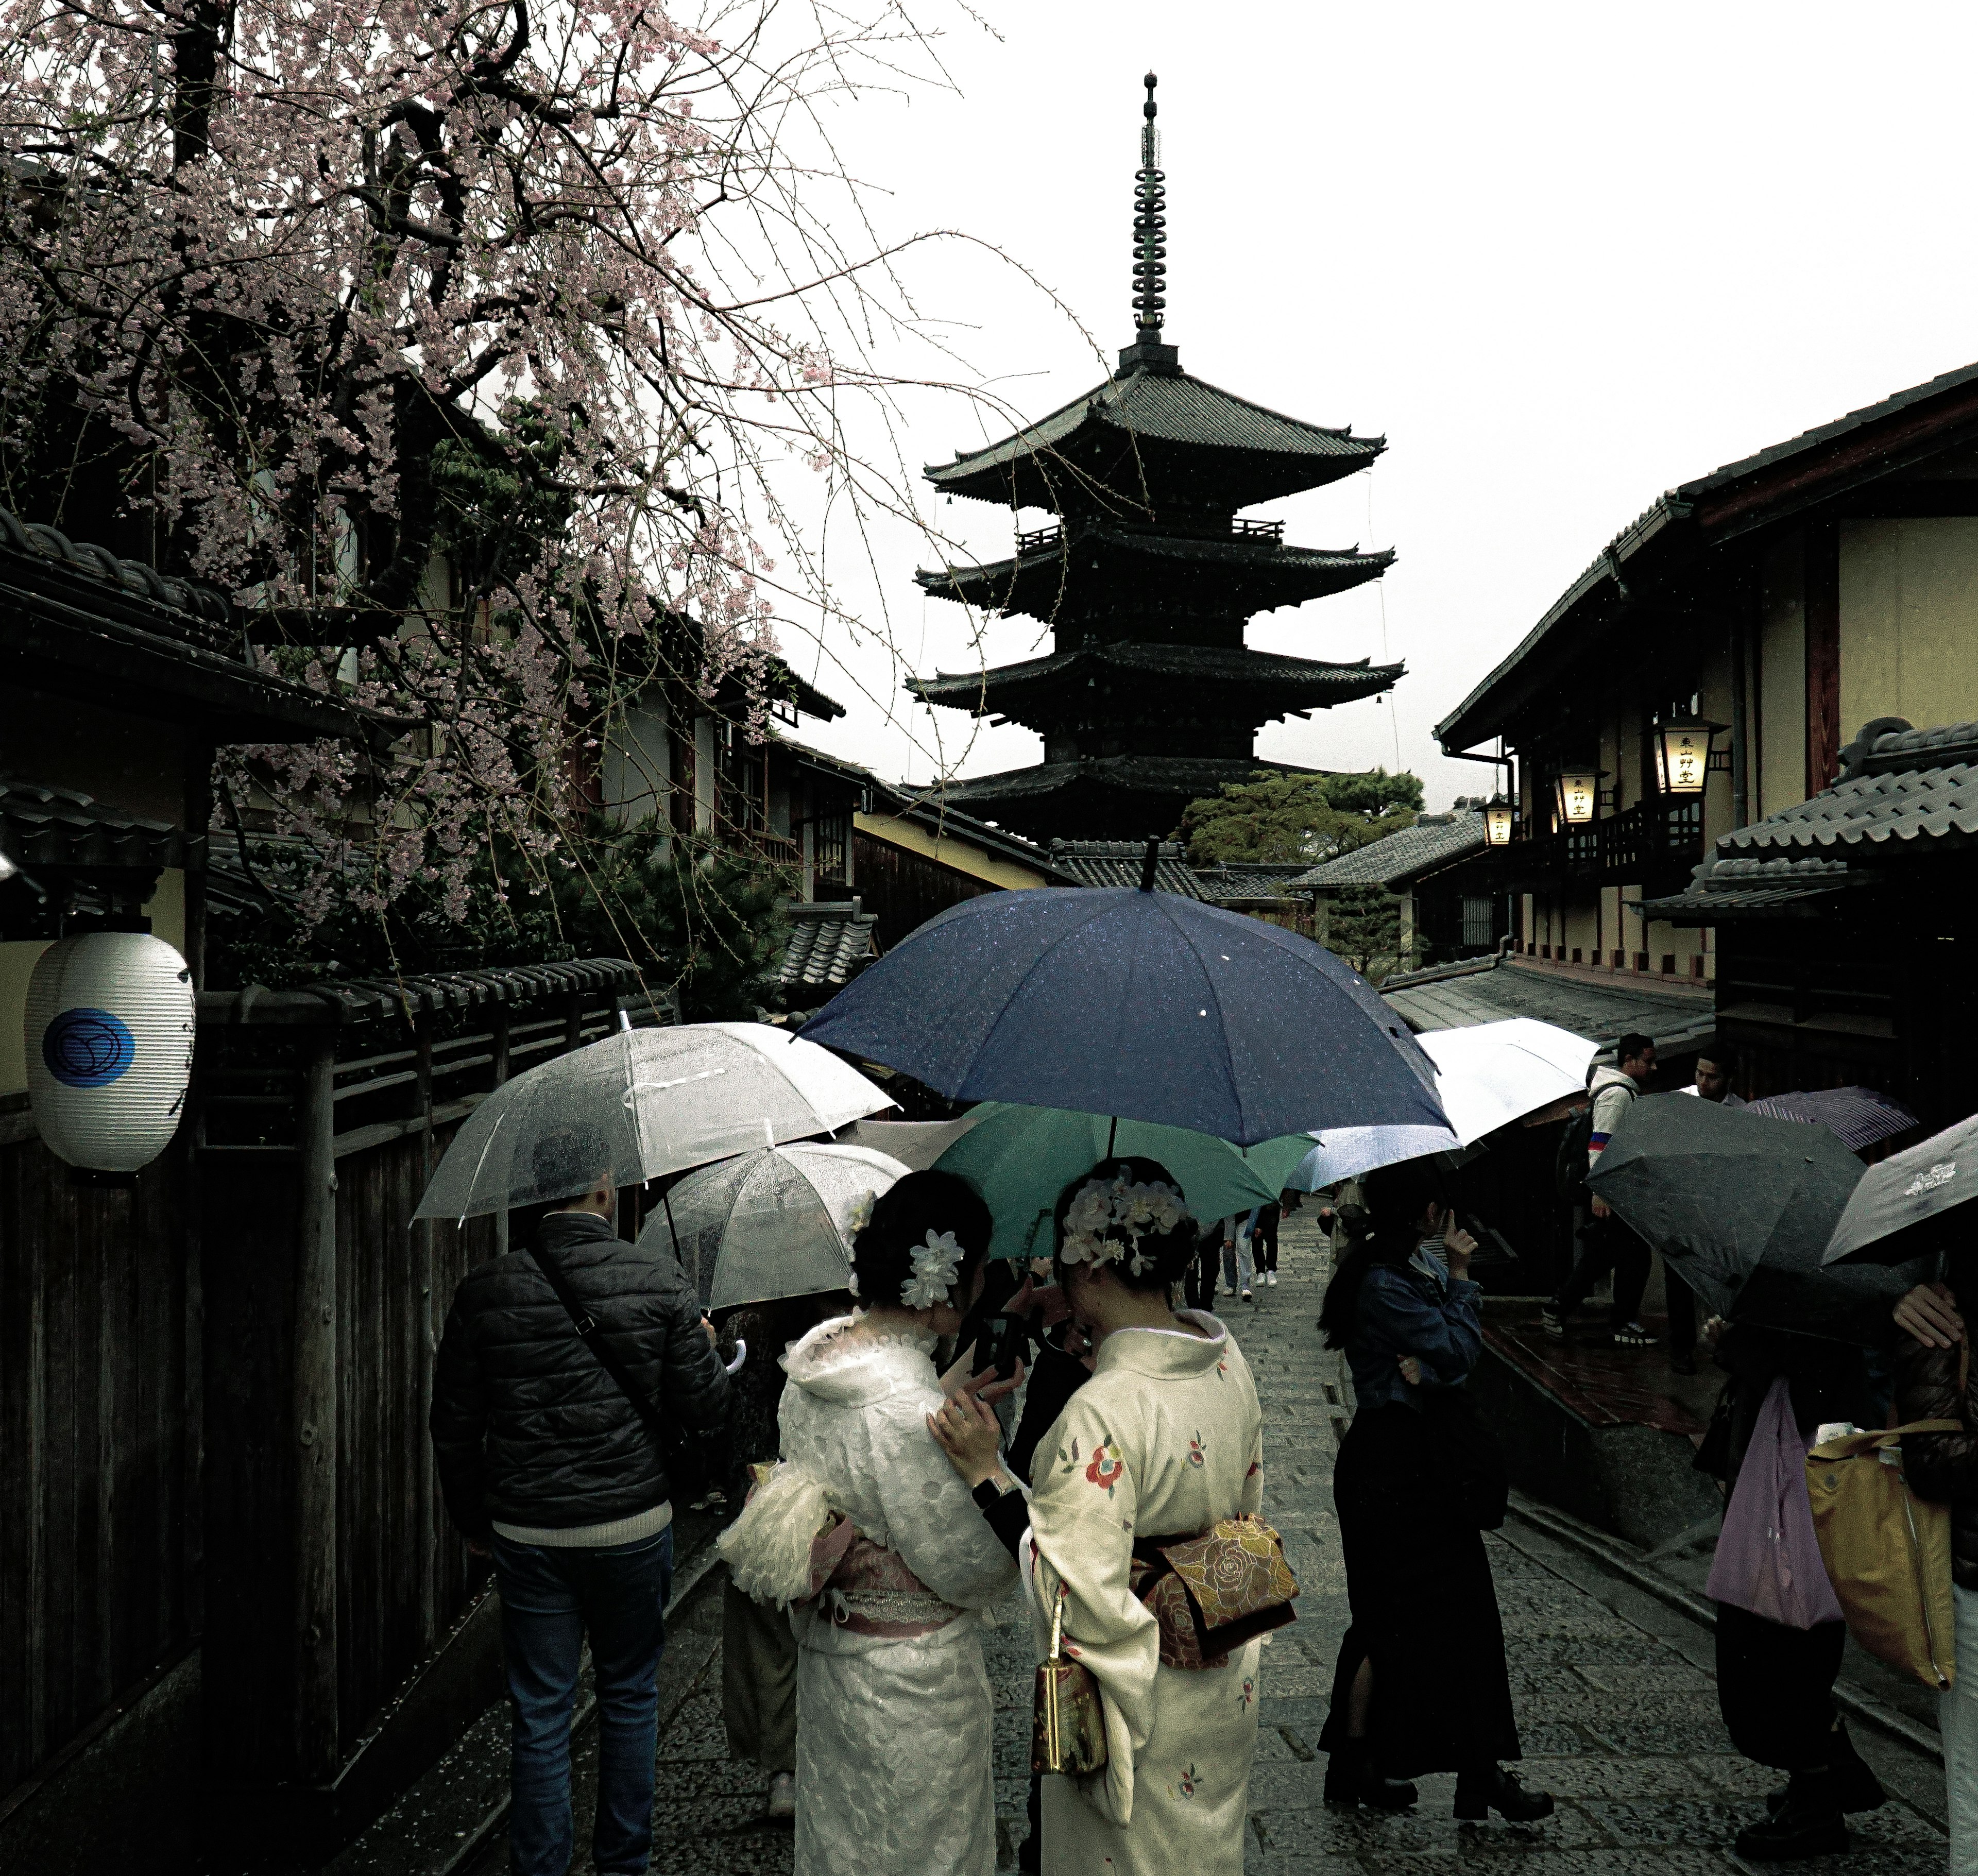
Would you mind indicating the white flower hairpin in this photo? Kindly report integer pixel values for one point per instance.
(1107, 1218)
(861, 1215)
(935, 1264)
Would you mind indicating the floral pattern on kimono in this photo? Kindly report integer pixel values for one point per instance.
(1164, 1440)
(894, 1704)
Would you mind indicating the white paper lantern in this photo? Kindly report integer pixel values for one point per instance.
(109, 1036)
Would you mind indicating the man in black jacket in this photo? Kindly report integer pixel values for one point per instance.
(545, 1462)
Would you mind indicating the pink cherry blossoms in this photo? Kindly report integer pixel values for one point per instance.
(284, 259)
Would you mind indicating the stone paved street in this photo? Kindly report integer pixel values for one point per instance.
(1615, 1698)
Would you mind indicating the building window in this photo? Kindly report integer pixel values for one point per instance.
(832, 845)
(1477, 923)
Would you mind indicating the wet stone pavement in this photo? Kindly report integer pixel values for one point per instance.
(1615, 1698)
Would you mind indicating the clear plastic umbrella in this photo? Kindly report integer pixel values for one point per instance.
(779, 1222)
(642, 1102)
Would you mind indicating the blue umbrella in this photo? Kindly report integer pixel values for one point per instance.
(1136, 1004)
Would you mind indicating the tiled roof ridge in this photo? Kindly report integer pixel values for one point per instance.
(138, 577)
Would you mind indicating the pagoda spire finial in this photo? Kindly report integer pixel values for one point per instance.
(1150, 226)
(1150, 248)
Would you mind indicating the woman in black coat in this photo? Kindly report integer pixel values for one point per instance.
(1421, 1684)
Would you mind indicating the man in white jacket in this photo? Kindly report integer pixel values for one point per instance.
(1606, 1243)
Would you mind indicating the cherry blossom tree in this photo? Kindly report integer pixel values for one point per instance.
(466, 342)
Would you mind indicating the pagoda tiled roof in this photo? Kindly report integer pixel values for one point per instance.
(1290, 684)
(1107, 795)
(1115, 442)
(1249, 573)
(1122, 863)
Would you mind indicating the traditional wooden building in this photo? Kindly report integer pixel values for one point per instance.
(1450, 907)
(1149, 698)
(1686, 698)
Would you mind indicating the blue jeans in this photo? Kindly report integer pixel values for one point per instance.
(550, 1600)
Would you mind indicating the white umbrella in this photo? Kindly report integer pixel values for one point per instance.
(779, 1222)
(914, 1143)
(1493, 1074)
(1345, 1152)
(1487, 1077)
(646, 1101)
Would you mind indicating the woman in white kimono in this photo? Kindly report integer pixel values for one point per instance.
(1165, 1441)
(893, 1704)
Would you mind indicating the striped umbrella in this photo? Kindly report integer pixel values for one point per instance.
(1857, 1117)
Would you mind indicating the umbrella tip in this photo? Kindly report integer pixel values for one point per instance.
(1149, 862)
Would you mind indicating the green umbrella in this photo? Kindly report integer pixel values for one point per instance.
(1019, 1159)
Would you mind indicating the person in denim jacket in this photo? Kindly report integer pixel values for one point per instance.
(1411, 1695)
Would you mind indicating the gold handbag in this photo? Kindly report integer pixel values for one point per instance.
(1887, 1552)
(1068, 1725)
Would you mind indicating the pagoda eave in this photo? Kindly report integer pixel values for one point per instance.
(1152, 434)
(1230, 680)
(1249, 575)
(1117, 796)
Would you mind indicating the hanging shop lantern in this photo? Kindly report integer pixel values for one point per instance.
(1576, 789)
(1682, 755)
(1497, 822)
(109, 1041)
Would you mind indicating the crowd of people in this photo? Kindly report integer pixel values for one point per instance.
(890, 1502)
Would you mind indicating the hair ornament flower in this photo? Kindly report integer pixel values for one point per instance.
(935, 1264)
(861, 1215)
(1107, 1218)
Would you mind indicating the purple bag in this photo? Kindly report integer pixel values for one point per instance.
(1767, 1557)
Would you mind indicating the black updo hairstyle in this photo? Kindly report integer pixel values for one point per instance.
(1384, 1232)
(882, 1254)
(1171, 1252)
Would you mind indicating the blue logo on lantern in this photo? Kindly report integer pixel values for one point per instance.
(87, 1048)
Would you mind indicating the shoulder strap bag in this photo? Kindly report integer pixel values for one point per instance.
(688, 1471)
(1887, 1552)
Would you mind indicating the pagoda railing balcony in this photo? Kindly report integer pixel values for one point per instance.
(1042, 539)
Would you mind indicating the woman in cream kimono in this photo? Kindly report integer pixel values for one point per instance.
(1164, 1440)
(867, 1534)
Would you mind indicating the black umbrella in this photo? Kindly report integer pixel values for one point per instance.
(1892, 1214)
(1743, 1206)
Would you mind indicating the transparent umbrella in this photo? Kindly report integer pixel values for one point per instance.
(644, 1102)
(779, 1222)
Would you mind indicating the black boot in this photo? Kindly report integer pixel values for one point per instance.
(1803, 1826)
(1352, 1778)
(1846, 1776)
(1493, 1789)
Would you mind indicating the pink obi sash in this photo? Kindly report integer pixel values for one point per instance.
(868, 1589)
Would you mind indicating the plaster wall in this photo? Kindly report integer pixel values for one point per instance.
(636, 769)
(1778, 772)
(1908, 621)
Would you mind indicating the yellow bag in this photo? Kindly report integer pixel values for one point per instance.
(1887, 1552)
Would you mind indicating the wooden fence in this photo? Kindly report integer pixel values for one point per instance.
(214, 1384)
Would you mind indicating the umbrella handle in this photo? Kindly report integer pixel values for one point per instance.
(741, 1355)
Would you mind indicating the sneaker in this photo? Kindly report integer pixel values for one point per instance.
(782, 1805)
(1271, 1278)
(1633, 1335)
(1247, 1297)
(1552, 1319)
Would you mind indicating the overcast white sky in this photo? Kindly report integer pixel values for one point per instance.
(1563, 256)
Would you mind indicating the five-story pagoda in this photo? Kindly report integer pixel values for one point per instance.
(1149, 697)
